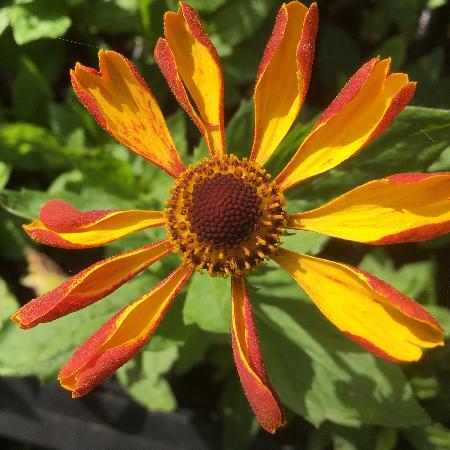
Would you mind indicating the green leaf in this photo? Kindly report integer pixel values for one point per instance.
(12, 238)
(29, 147)
(240, 130)
(177, 127)
(326, 376)
(4, 19)
(106, 16)
(414, 279)
(5, 172)
(8, 303)
(414, 141)
(142, 379)
(42, 350)
(395, 48)
(338, 57)
(30, 93)
(193, 350)
(239, 422)
(432, 437)
(208, 303)
(304, 242)
(237, 21)
(38, 19)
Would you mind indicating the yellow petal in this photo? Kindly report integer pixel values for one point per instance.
(283, 76)
(188, 55)
(366, 106)
(369, 311)
(62, 225)
(122, 103)
(119, 339)
(401, 208)
(90, 285)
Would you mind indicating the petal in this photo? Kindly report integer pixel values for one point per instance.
(62, 225)
(248, 359)
(407, 207)
(188, 59)
(90, 285)
(366, 309)
(283, 76)
(122, 103)
(367, 104)
(119, 339)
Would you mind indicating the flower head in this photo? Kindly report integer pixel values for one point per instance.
(226, 216)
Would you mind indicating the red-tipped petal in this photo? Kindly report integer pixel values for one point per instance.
(188, 60)
(407, 207)
(90, 285)
(119, 339)
(283, 76)
(366, 106)
(365, 308)
(122, 103)
(249, 362)
(62, 225)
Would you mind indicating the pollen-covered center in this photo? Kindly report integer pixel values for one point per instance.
(225, 216)
(225, 210)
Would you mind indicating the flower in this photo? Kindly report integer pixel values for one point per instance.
(226, 217)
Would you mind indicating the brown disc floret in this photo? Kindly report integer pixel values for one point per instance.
(225, 216)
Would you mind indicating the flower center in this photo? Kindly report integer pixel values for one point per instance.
(224, 210)
(225, 216)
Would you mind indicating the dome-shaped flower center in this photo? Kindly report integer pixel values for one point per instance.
(224, 211)
(225, 216)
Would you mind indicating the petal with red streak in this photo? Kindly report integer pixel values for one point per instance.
(188, 60)
(249, 362)
(366, 309)
(62, 225)
(407, 207)
(122, 103)
(368, 104)
(283, 76)
(90, 285)
(119, 339)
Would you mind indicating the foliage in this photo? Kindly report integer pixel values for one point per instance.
(50, 147)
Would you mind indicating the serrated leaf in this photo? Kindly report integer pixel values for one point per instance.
(208, 303)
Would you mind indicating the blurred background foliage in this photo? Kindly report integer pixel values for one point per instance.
(337, 396)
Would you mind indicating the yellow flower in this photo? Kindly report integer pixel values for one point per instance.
(226, 217)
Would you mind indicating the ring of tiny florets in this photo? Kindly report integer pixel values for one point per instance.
(225, 216)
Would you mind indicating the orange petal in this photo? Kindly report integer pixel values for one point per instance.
(119, 339)
(188, 59)
(122, 104)
(62, 225)
(367, 104)
(407, 207)
(366, 309)
(90, 285)
(248, 359)
(283, 76)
